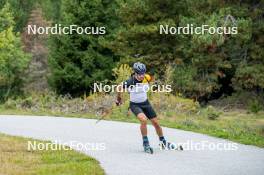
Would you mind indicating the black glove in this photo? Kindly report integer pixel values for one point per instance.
(118, 101)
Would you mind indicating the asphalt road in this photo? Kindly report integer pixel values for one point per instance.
(118, 147)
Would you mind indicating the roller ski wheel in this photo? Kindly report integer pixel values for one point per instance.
(170, 146)
(148, 149)
(180, 148)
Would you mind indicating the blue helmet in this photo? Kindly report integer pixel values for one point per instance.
(139, 68)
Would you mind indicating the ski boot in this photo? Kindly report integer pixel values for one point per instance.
(148, 149)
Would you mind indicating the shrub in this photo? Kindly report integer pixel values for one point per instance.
(10, 104)
(255, 106)
(27, 103)
(212, 113)
(122, 73)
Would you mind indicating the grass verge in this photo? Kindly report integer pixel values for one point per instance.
(16, 159)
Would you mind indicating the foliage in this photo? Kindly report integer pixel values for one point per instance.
(122, 73)
(212, 113)
(255, 106)
(51, 9)
(249, 76)
(197, 66)
(211, 63)
(77, 61)
(12, 58)
(187, 81)
(21, 10)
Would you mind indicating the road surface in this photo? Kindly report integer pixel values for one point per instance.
(118, 147)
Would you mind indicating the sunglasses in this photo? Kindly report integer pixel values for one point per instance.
(140, 74)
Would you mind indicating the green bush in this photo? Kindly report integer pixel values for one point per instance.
(27, 102)
(212, 113)
(255, 106)
(122, 73)
(10, 104)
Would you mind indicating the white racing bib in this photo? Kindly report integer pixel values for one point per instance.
(138, 92)
(137, 89)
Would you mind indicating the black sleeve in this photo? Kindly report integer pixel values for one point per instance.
(128, 83)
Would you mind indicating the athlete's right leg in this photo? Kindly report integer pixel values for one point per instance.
(141, 117)
(143, 124)
(143, 128)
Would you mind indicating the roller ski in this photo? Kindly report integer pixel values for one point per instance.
(170, 146)
(148, 149)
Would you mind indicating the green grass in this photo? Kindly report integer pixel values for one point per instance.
(17, 159)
